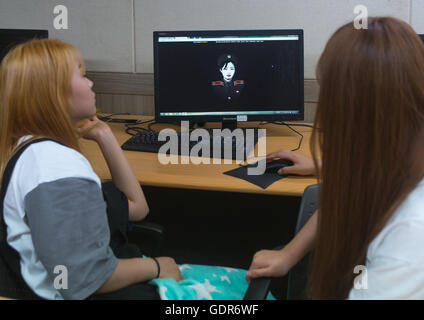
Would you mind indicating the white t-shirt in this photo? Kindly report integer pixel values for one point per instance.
(56, 216)
(395, 258)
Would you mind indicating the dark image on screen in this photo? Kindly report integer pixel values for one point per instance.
(212, 76)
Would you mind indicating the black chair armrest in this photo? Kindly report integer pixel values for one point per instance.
(148, 236)
(258, 289)
(146, 227)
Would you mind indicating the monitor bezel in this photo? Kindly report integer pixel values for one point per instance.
(218, 118)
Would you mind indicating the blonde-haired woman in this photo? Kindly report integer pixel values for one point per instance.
(53, 208)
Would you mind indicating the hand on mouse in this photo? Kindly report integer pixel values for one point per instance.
(302, 165)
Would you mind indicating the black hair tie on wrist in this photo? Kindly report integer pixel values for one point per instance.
(158, 265)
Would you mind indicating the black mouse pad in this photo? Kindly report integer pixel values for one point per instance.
(264, 180)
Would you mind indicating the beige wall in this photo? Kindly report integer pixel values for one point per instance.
(116, 35)
(318, 18)
(101, 29)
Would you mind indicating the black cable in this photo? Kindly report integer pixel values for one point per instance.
(135, 127)
(109, 117)
(138, 123)
(149, 126)
(117, 114)
(301, 125)
(301, 137)
(175, 123)
(289, 126)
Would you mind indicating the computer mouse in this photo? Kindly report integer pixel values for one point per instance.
(275, 165)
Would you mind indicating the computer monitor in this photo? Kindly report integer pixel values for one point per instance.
(239, 75)
(12, 37)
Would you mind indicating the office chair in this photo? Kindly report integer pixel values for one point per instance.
(129, 239)
(297, 277)
(147, 236)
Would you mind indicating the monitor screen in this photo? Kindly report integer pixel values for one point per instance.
(12, 37)
(254, 75)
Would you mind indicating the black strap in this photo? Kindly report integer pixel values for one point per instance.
(12, 284)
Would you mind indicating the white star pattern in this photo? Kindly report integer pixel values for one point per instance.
(203, 290)
(225, 278)
(230, 269)
(209, 287)
(184, 266)
(162, 292)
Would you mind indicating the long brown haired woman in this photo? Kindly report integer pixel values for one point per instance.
(369, 129)
(53, 207)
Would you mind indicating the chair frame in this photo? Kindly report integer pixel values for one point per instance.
(258, 288)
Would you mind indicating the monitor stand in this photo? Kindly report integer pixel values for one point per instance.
(229, 124)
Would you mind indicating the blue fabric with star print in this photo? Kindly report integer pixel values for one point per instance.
(204, 283)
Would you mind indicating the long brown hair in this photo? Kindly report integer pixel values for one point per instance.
(369, 117)
(35, 84)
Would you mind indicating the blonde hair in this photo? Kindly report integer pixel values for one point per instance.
(35, 84)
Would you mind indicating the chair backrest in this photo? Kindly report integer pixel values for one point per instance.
(298, 275)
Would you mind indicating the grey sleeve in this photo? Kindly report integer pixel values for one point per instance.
(69, 228)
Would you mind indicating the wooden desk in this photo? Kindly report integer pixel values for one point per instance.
(150, 172)
(195, 203)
